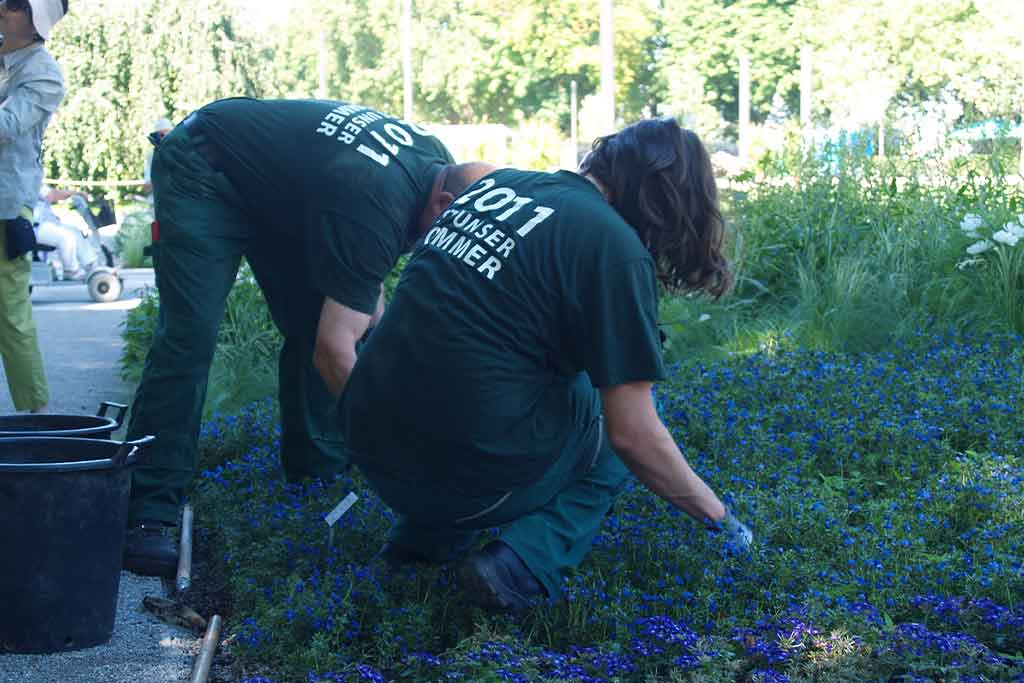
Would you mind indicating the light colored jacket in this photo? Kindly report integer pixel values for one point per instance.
(31, 88)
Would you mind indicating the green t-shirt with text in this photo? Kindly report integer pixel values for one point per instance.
(338, 185)
(527, 280)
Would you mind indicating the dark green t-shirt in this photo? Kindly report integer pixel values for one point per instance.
(527, 280)
(338, 185)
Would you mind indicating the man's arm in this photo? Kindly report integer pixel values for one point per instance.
(648, 450)
(54, 196)
(335, 353)
(27, 105)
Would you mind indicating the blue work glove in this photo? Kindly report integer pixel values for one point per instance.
(737, 533)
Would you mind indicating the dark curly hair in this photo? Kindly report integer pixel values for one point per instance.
(658, 176)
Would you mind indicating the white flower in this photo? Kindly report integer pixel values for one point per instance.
(979, 247)
(704, 317)
(1006, 236)
(1014, 229)
(971, 223)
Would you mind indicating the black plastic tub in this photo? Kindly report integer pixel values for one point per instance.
(63, 508)
(97, 426)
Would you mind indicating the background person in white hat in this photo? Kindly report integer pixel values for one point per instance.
(31, 88)
(161, 127)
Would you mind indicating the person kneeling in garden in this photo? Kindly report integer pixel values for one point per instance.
(474, 405)
(321, 198)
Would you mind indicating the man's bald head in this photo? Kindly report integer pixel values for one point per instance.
(450, 182)
(461, 176)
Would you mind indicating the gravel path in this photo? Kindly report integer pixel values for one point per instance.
(81, 345)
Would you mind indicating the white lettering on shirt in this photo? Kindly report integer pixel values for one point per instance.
(481, 245)
(347, 124)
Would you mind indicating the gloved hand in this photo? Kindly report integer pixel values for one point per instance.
(736, 531)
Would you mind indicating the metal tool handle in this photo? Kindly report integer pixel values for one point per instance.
(129, 451)
(121, 409)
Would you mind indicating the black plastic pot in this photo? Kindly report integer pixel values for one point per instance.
(63, 506)
(97, 426)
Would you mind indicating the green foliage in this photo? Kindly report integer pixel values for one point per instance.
(128, 63)
(867, 55)
(705, 39)
(909, 51)
(134, 235)
(137, 334)
(244, 366)
(848, 253)
(125, 64)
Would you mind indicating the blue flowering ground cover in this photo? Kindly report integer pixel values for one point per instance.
(884, 490)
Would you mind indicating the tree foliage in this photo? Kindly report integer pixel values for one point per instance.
(475, 61)
(125, 64)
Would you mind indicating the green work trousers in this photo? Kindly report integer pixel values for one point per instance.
(204, 231)
(19, 345)
(550, 524)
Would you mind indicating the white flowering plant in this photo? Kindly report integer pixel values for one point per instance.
(995, 255)
(972, 226)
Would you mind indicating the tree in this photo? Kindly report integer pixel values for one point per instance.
(703, 41)
(125, 64)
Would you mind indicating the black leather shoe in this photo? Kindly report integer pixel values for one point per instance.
(495, 578)
(150, 549)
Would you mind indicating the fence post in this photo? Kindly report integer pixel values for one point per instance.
(806, 93)
(407, 60)
(744, 104)
(607, 40)
(574, 135)
(321, 66)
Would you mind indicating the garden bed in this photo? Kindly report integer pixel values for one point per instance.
(884, 490)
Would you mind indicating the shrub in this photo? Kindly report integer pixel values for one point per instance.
(133, 236)
(853, 253)
(244, 366)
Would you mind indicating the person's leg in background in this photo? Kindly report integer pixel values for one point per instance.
(202, 235)
(311, 441)
(19, 344)
(67, 246)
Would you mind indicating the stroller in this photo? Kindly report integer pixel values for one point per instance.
(101, 277)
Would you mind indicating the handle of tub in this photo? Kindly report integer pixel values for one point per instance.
(129, 451)
(121, 409)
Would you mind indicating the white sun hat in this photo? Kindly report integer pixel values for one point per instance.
(46, 13)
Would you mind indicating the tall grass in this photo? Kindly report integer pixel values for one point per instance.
(244, 367)
(857, 254)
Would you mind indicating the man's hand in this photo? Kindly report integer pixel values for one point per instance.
(54, 196)
(335, 353)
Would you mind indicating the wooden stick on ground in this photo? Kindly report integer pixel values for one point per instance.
(205, 657)
(184, 579)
